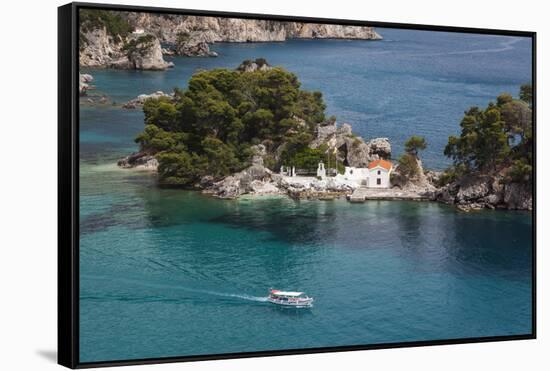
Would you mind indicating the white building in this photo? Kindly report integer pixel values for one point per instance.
(357, 174)
(321, 171)
(379, 174)
(376, 175)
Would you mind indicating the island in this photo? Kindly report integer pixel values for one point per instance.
(254, 130)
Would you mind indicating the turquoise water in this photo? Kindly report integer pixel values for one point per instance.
(172, 273)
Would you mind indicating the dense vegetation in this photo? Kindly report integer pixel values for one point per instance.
(408, 162)
(115, 23)
(210, 128)
(497, 138)
(138, 45)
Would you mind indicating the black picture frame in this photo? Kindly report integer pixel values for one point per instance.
(68, 185)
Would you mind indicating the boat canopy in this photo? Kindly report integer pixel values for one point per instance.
(286, 293)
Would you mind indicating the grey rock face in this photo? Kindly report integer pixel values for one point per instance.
(357, 152)
(518, 196)
(351, 149)
(148, 57)
(476, 191)
(84, 83)
(252, 66)
(421, 182)
(140, 99)
(102, 50)
(471, 189)
(380, 147)
(344, 129)
(139, 160)
(256, 179)
(196, 45)
(217, 29)
(229, 187)
(324, 132)
(258, 153)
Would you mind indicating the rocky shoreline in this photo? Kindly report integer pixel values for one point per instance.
(136, 51)
(156, 36)
(472, 192)
(468, 194)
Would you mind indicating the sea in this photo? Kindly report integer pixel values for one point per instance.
(167, 272)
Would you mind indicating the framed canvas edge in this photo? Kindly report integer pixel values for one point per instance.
(67, 219)
(68, 187)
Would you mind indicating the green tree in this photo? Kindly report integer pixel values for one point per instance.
(208, 128)
(415, 144)
(115, 23)
(408, 165)
(308, 158)
(497, 138)
(526, 94)
(520, 172)
(483, 143)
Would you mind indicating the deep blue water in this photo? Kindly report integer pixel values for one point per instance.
(168, 273)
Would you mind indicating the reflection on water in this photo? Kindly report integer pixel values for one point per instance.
(379, 272)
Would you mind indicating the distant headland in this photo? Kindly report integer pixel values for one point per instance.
(130, 40)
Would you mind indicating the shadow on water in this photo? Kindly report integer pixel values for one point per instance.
(292, 312)
(293, 222)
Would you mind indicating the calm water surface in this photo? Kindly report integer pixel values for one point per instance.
(169, 273)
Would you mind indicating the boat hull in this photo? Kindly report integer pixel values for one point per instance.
(306, 303)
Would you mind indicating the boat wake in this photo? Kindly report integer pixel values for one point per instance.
(260, 299)
(501, 47)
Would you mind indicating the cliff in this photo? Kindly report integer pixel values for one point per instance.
(486, 190)
(217, 29)
(199, 32)
(190, 36)
(100, 49)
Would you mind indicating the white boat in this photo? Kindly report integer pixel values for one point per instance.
(290, 299)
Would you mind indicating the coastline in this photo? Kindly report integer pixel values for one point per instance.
(476, 196)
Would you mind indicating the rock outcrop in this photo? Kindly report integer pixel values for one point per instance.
(84, 83)
(147, 55)
(256, 179)
(351, 149)
(422, 182)
(140, 99)
(143, 52)
(199, 49)
(139, 160)
(193, 45)
(252, 66)
(98, 48)
(518, 196)
(478, 191)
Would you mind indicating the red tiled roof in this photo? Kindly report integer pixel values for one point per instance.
(382, 163)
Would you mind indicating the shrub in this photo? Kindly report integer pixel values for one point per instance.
(408, 165)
